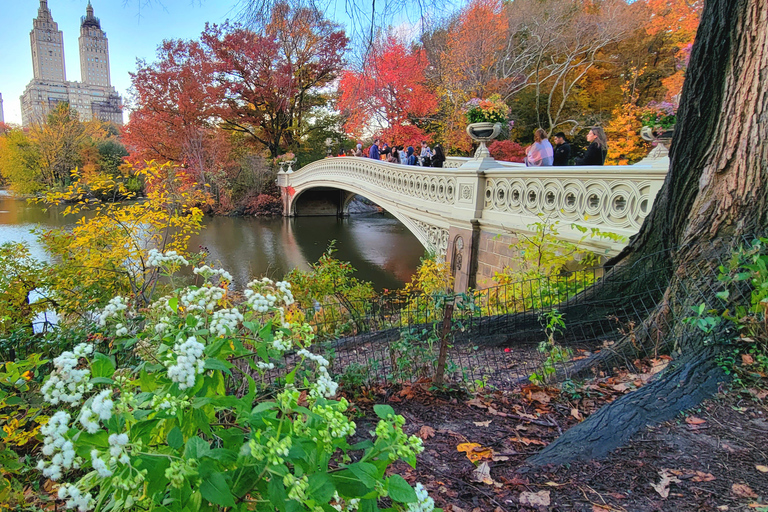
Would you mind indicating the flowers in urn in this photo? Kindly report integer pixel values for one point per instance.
(658, 122)
(286, 159)
(486, 119)
(491, 110)
(660, 115)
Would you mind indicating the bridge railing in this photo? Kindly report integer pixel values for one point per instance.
(499, 196)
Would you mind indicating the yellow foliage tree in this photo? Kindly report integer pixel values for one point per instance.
(106, 253)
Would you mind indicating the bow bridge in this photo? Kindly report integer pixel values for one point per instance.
(473, 210)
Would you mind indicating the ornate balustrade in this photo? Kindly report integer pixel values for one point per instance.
(496, 196)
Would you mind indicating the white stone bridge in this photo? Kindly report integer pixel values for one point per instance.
(474, 209)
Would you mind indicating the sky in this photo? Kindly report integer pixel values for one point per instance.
(133, 32)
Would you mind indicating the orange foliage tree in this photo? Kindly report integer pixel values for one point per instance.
(389, 94)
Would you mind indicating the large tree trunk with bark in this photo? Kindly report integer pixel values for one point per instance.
(714, 197)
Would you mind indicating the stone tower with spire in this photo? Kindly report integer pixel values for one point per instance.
(47, 43)
(94, 50)
(93, 97)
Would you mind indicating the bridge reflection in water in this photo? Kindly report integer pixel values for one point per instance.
(473, 210)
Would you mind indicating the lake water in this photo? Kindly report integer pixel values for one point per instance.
(378, 246)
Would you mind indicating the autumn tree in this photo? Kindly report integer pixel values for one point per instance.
(553, 46)
(463, 59)
(59, 141)
(177, 106)
(389, 95)
(20, 162)
(272, 79)
(714, 197)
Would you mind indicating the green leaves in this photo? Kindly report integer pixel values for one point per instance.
(102, 366)
(215, 489)
(382, 411)
(399, 490)
(196, 448)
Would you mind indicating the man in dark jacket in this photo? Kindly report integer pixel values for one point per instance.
(562, 150)
(374, 151)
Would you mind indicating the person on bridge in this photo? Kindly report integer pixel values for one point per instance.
(374, 151)
(411, 159)
(598, 147)
(438, 159)
(394, 156)
(426, 154)
(562, 150)
(359, 150)
(540, 153)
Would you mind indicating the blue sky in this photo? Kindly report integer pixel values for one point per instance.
(132, 34)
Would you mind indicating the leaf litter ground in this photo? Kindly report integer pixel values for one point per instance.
(712, 459)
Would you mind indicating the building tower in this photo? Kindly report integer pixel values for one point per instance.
(47, 43)
(2, 116)
(94, 50)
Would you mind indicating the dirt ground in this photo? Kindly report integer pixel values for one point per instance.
(712, 459)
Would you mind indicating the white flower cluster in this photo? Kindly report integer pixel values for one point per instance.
(188, 362)
(117, 451)
(75, 498)
(115, 306)
(158, 259)
(338, 425)
(56, 446)
(264, 294)
(424, 503)
(280, 342)
(100, 409)
(224, 321)
(99, 465)
(341, 506)
(202, 299)
(66, 383)
(325, 385)
(265, 366)
(207, 272)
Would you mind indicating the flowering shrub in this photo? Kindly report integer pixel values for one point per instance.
(193, 423)
(507, 151)
(264, 204)
(491, 110)
(662, 115)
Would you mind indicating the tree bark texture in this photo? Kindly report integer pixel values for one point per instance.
(714, 197)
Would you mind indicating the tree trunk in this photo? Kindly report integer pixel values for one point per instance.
(713, 198)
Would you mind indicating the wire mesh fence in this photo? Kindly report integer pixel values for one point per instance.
(494, 334)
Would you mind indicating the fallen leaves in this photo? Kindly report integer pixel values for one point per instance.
(482, 423)
(743, 491)
(483, 474)
(534, 499)
(425, 432)
(475, 452)
(663, 486)
(527, 442)
(761, 468)
(693, 420)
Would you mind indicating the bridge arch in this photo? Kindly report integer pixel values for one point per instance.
(434, 240)
(488, 204)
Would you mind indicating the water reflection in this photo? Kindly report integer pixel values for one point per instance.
(380, 247)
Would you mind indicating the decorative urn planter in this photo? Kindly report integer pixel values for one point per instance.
(482, 133)
(661, 137)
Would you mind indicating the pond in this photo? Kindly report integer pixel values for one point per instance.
(378, 246)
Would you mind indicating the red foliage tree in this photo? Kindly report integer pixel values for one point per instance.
(389, 94)
(507, 151)
(177, 102)
(271, 80)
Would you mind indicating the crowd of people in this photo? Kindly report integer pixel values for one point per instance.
(425, 156)
(542, 154)
(539, 154)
